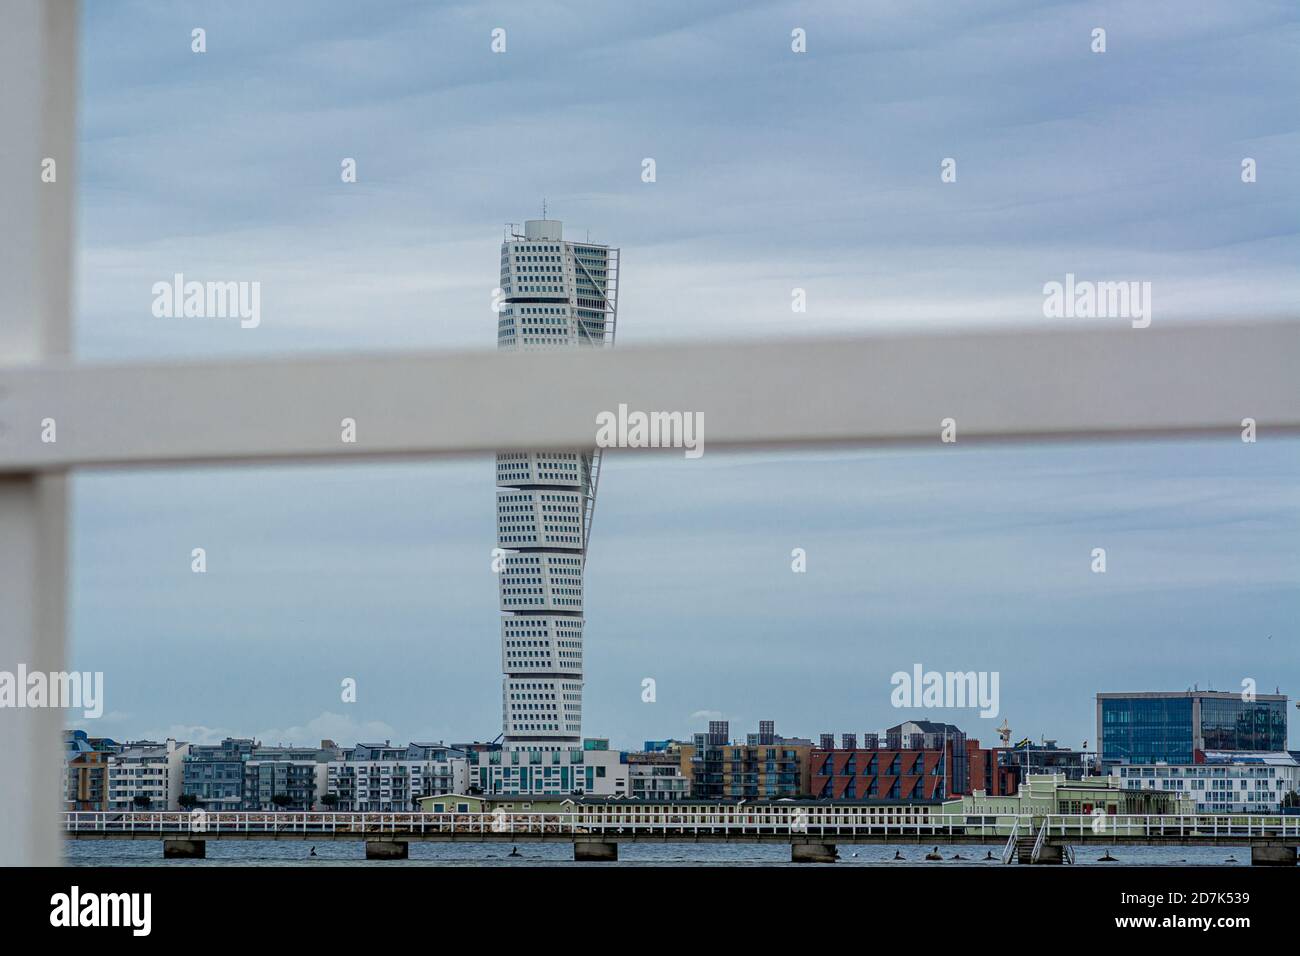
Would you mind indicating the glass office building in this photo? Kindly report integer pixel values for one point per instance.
(1149, 728)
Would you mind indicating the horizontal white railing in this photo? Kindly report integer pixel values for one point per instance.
(795, 823)
(879, 389)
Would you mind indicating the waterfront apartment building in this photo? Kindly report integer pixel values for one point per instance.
(1159, 727)
(385, 779)
(85, 767)
(146, 775)
(555, 294)
(1222, 782)
(767, 765)
(592, 769)
(914, 761)
(287, 778)
(213, 774)
(659, 774)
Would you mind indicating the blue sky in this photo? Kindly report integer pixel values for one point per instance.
(774, 171)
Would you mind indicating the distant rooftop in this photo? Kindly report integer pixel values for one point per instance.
(1217, 694)
(1274, 759)
(543, 230)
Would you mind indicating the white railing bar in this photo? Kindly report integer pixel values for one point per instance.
(1102, 381)
(38, 80)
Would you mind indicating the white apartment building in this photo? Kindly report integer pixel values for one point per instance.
(287, 778)
(555, 294)
(1228, 782)
(147, 770)
(381, 778)
(590, 770)
(657, 776)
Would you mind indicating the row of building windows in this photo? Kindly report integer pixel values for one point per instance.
(542, 496)
(515, 631)
(563, 563)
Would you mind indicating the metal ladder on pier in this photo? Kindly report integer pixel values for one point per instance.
(1024, 847)
(1009, 850)
(1038, 843)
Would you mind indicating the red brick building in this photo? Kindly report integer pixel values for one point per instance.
(989, 772)
(917, 760)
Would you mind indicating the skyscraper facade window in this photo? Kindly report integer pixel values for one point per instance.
(554, 294)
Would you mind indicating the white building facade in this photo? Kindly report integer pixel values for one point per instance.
(657, 776)
(380, 778)
(152, 772)
(1227, 782)
(286, 778)
(589, 770)
(554, 294)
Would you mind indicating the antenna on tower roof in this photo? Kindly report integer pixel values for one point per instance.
(543, 207)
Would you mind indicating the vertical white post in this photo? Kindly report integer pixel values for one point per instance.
(38, 58)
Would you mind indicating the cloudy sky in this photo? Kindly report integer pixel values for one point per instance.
(775, 170)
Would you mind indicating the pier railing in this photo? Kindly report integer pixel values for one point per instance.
(686, 822)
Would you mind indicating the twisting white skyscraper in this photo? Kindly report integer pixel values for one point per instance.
(554, 294)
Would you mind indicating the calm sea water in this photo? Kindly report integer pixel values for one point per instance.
(352, 853)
